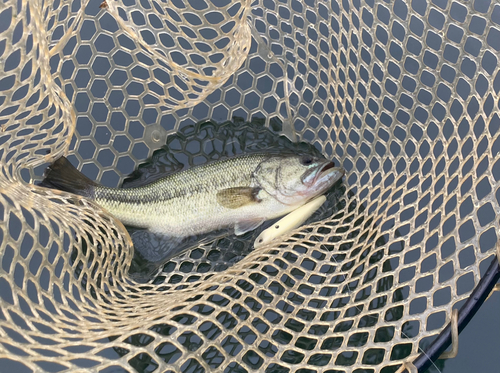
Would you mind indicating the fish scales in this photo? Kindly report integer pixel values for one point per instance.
(182, 203)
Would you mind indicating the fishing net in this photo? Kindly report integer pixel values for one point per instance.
(404, 95)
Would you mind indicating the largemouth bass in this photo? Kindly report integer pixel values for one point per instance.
(240, 192)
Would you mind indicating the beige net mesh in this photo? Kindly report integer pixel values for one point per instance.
(404, 95)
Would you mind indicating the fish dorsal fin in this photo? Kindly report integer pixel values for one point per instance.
(233, 198)
(245, 226)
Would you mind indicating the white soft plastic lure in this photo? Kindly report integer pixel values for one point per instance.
(289, 222)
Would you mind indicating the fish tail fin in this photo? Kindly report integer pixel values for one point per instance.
(64, 176)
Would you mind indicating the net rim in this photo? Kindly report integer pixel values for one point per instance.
(465, 315)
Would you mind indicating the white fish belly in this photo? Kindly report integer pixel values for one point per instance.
(192, 215)
(186, 217)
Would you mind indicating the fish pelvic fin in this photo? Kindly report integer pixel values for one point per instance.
(64, 176)
(233, 198)
(245, 226)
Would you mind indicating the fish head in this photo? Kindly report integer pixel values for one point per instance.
(295, 179)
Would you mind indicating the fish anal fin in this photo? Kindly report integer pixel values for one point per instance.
(245, 226)
(233, 198)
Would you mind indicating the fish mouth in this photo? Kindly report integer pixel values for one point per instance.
(326, 176)
(326, 167)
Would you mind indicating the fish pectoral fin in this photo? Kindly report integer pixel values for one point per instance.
(245, 226)
(233, 198)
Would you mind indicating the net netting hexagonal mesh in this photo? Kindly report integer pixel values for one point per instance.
(404, 95)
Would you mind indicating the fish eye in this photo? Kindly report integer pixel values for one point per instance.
(306, 160)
